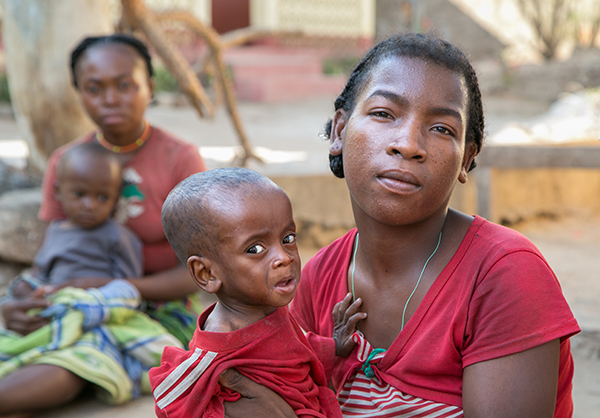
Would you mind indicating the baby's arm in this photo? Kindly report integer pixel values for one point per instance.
(345, 318)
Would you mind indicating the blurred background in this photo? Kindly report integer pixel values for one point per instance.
(268, 72)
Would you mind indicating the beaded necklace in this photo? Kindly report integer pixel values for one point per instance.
(118, 149)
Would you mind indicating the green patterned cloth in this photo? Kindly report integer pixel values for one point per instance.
(98, 334)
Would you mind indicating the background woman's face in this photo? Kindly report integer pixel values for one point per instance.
(403, 145)
(115, 87)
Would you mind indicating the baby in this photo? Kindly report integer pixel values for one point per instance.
(234, 230)
(88, 243)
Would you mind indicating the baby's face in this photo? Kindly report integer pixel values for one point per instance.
(258, 262)
(88, 191)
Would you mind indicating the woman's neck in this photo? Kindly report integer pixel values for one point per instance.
(384, 248)
(125, 138)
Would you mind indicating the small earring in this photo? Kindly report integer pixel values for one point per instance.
(336, 146)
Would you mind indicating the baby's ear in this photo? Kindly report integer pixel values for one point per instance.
(199, 268)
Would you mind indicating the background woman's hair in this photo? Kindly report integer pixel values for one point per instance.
(413, 45)
(117, 38)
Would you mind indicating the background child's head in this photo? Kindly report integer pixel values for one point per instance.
(88, 184)
(234, 230)
(425, 47)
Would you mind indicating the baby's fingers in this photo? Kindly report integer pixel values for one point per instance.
(340, 308)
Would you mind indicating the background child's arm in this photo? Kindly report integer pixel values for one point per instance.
(345, 318)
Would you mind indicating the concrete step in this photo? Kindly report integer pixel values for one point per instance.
(272, 74)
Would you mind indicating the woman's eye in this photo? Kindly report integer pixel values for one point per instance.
(290, 239)
(102, 198)
(381, 114)
(442, 130)
(255, 249)
(77, 193)
(92, 89)
(124, 85)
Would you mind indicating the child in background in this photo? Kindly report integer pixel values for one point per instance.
(107, 319)
(88, 243)
(234, 230)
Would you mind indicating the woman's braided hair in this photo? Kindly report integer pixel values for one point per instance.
(117, 38)
(421, 46)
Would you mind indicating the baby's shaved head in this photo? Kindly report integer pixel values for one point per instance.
(189, 213)
(80, 154)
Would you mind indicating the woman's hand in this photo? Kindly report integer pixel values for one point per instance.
(345, 318)
(256, 400)
(15, 312)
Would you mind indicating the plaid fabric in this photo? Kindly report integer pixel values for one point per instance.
(98, 334)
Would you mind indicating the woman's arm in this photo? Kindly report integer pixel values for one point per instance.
(171, 284)
(521, 385)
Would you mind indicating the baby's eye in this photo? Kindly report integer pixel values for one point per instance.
(255, 249)
(102, 198)
(289, 239)
(124, 85)
(77, 193)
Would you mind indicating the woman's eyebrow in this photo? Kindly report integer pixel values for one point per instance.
(401, 100)
(446, 111)
(393, 97)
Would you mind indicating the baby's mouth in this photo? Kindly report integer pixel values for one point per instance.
(287, 285)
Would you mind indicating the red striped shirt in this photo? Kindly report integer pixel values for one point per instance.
(362, 396)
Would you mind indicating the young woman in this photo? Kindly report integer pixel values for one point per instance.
(456, 316)
(113, 75)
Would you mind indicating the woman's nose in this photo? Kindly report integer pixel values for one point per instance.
(111, 96)
(407, 141)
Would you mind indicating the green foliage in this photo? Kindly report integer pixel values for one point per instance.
(339, 65)
(4, 94)
(164, 80)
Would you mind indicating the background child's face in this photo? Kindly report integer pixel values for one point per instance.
(257, 258)
(88, 190)
(403, 145)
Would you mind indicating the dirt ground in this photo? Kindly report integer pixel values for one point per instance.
(571, 246)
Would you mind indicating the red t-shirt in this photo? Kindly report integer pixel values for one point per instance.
(159, 166)
(272, 352)
(497, 296)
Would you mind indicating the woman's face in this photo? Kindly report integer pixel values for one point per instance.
(115, 88)
(403, 145)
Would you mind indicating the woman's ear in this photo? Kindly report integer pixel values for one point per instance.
(338, 123)
(151, 86)
(470, 153)
(199, 268)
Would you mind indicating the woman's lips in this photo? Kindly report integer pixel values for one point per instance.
(113, 119)
(399, 181)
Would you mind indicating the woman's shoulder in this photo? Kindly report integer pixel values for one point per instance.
(58, 152)
(335, 252)
(169, 140)
(490, 235)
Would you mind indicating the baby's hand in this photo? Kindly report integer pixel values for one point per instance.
(345, 317)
